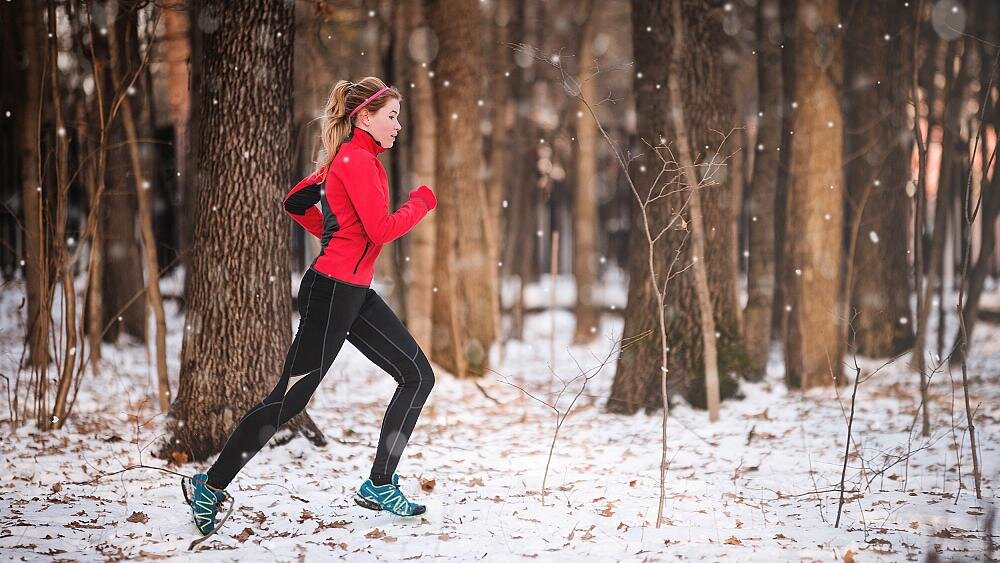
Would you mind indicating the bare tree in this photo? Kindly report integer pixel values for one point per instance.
(36, 257)
(813, 258)
(760, 263)
(587, 310)
(465, 247)
(237, 324)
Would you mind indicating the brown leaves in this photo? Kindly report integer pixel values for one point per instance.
(56, 487)
(849, 556)
(246, 533)
(733, 540)
(138, 518)
(427, 485)
(180, 458)
(377, 534)
(306, 515)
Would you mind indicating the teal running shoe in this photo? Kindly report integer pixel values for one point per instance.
(387, 497)
(203, 500)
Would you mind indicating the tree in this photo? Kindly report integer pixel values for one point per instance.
(761, 262)
(121, 262)
(465, 300)
(878, 143)
(707, 111)
(236, 330)
(420, 49)
(37, 275)
(813, 257)
(587, 311)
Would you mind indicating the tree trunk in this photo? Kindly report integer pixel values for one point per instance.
(878, 144)
(134, 122)
(814, 219)
(36, 259)
(707, 111)
(237, 328)
(176, 46)
(122, 261)
(585, 224)
(421, 277)
(458, 172)
(760, 265)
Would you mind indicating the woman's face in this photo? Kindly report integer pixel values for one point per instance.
(383, 124)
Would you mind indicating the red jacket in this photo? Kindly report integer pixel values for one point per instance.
(355, 221)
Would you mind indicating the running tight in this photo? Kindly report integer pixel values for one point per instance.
(332, 311)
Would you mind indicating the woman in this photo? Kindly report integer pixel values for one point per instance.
(335, 301)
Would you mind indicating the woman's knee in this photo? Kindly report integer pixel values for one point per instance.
(423, 373)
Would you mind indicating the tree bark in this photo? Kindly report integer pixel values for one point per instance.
(421, 277)
(814, 218)
(707, 107)
(36, 252)
(238, 320)
(121, 275)
(761, 262)
(176, 46)
(585, 224)
(878, 145)
(466, 243)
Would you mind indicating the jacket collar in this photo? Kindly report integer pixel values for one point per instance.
(363, 139)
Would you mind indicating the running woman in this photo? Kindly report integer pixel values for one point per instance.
(335, 301)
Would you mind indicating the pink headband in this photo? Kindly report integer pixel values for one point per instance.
(365, 103)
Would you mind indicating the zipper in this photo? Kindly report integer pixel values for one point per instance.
(356, 266)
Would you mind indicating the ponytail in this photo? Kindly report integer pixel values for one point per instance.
(345, 97)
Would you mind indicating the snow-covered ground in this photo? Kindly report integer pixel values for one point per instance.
(759, 485)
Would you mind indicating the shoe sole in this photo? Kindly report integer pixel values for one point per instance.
(367, 503)
(372, 505)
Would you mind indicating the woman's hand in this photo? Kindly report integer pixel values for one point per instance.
(426, 195)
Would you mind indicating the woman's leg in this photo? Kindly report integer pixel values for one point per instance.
(327, 308)
(382, 338)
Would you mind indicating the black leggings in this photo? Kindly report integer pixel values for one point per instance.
(333, 311)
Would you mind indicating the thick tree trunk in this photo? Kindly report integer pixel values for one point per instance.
(458, 172)
(708, 110)
(237, 328)
(761, 267)
(122, 279)
(814, 220)
(587, 310)
(878, 145)
(421, 277)
(36, 256)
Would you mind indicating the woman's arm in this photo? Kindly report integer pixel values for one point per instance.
(300, 203)
(370, 199)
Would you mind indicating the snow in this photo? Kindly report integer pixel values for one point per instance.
(759, 485)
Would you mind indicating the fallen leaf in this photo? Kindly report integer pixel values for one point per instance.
(138, 518)
(375, 534)
(733, 540)
(56, 487)
(246, 533)
(444, 537)
(306, 515)
(180, 458)
(427, 485)
(849, 556)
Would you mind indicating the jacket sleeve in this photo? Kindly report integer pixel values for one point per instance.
(301, 201)
(371, 201)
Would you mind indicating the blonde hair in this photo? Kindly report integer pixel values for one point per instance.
(344, 98)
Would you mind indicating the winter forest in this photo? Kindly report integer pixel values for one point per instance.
(701, 279)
